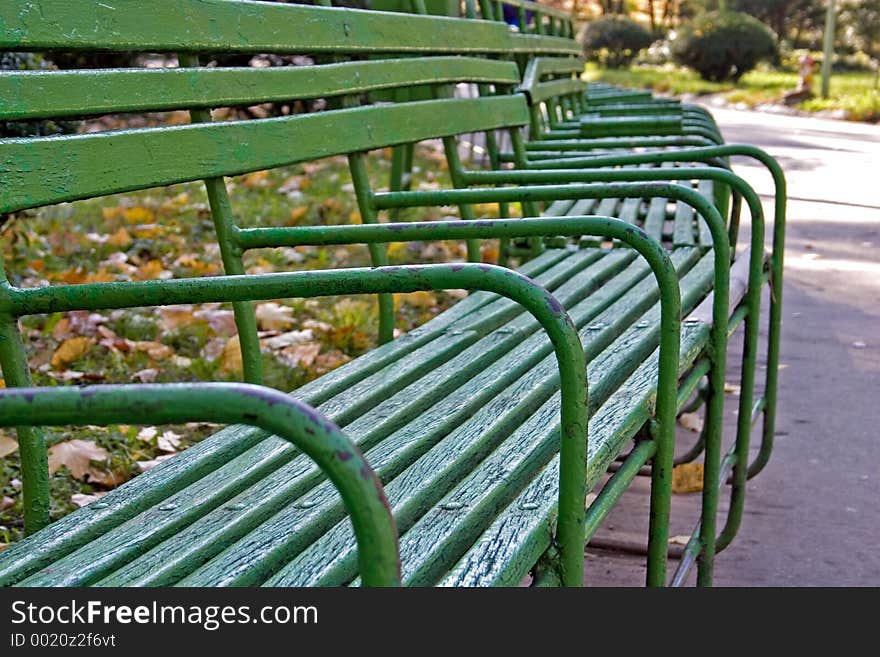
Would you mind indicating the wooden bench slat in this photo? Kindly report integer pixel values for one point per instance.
(523, 530)
(112, 162)
(83, 569)
(30, 95)
(236, 26)
(426, 546)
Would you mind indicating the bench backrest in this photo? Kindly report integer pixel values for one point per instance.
(41, 171)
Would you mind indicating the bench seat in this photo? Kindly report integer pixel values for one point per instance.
(242, 507)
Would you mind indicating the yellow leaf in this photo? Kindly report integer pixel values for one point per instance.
(110, 214)
(297, 215)
(152, 270)
(354, 217)
(687, 478)
(256, 179)
(8, 445)
(681, 539)
(120, 238)
(731, 388)
(76, 456)
(138, 215)
(147, 231)
(74, 276)
(398, 251)
(230, 357)
(100, 276)
(71, 350)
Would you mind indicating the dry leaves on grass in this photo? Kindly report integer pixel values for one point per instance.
(78, 457)
(274, 317)
(230, 357)
(71, 350)
(8, 445)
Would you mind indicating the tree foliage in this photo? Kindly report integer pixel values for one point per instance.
(723, 45)
(614, 40)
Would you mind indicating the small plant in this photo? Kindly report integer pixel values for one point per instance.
(614, 41)
(723, 45)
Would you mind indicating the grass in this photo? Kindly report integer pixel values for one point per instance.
(856, 93)
(168, 232)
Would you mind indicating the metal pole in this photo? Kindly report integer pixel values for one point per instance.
(828, 57)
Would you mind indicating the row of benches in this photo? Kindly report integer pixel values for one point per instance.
(476, 428)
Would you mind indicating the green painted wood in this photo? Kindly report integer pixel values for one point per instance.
(40, 94)
(683, 225)
(423, 482)
(147, 490)
(296, 474)
(108, 163)
(129, 540)
(542, 44)
(452, 408)
(428, 546)
(237, 26)
(506, 551)
(544, 91)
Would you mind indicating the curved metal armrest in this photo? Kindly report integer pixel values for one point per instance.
(230, 403)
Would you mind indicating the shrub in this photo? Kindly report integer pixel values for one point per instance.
(723, 45)
(614, 41)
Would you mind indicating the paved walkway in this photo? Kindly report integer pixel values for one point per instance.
(813, 516)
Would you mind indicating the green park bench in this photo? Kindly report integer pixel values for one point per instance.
(475, 428)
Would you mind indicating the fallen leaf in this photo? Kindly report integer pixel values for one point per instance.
(289, 339)
(691, 422)
(81, 499)
(731, 388)
(108, 478)
(138, 215)
(222, 322)
(151, 271)
(121, 238)
(230, 358)
(687, 478)
(274, 316)
(302, 355)
(172, 317)
(297, 215)
(143, 466)
(6, 502)
(169, 441)
(682, 539)
(76, 456)
(330, 360)
(155, 350)
(256, 179)
(71, 350)
(61, 329)
(147, 434)
(8, 445)
(145, 376)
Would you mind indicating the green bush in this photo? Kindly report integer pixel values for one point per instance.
(723, 45)
(614, 41)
